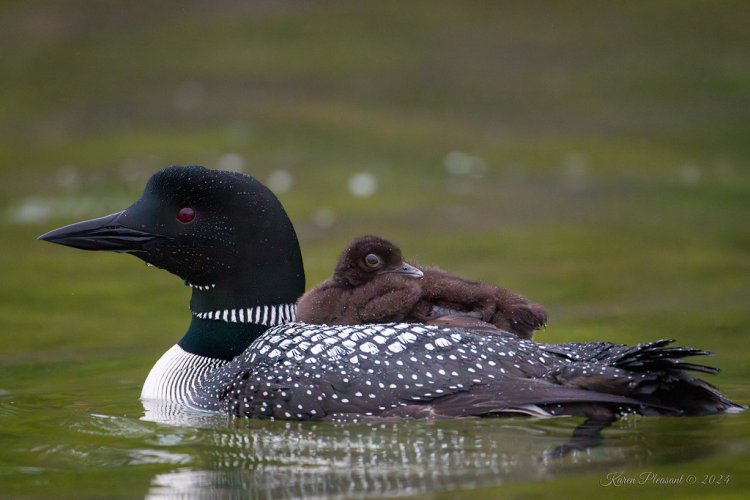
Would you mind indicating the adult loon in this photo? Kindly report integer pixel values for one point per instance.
(228, 237)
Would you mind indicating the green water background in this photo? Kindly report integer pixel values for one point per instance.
(594, 156)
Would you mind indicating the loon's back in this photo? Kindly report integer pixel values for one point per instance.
(343, 373)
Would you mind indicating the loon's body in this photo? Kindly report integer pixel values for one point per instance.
(229, 238)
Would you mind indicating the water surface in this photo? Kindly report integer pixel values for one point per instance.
(97, 440)
(592, 156)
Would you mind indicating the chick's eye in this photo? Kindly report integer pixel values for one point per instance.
(185, 215)
(372, 260)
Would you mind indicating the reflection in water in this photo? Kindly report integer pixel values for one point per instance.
(308, 459)
(171, 452)
(168, 412)
(322, 460)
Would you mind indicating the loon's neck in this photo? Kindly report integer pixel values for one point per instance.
(227, 316)
(207, 345)
(219, 339)
(273, 276)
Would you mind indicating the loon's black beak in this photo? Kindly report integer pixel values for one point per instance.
(408, 270)
(103, 233)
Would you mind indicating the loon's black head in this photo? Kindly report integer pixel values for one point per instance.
(368, 257)
(224, 233)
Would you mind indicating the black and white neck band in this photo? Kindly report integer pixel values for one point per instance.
(268, 315)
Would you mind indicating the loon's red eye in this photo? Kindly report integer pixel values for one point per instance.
(185, 215)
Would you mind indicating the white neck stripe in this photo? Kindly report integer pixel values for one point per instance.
(273, 315)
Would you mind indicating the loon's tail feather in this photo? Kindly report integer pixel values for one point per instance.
(651, 373)
(656, 355)
(641, 357)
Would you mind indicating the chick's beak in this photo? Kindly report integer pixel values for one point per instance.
(408, 270)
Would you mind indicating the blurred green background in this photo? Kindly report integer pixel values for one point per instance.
(594, 156)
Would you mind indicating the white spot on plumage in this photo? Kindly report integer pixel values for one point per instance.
(360, 335)
(407, 337)
(369, 347)
(396, 347)
(442, 342)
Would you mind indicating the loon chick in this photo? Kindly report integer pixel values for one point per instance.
(371, 283)
(228, 237)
